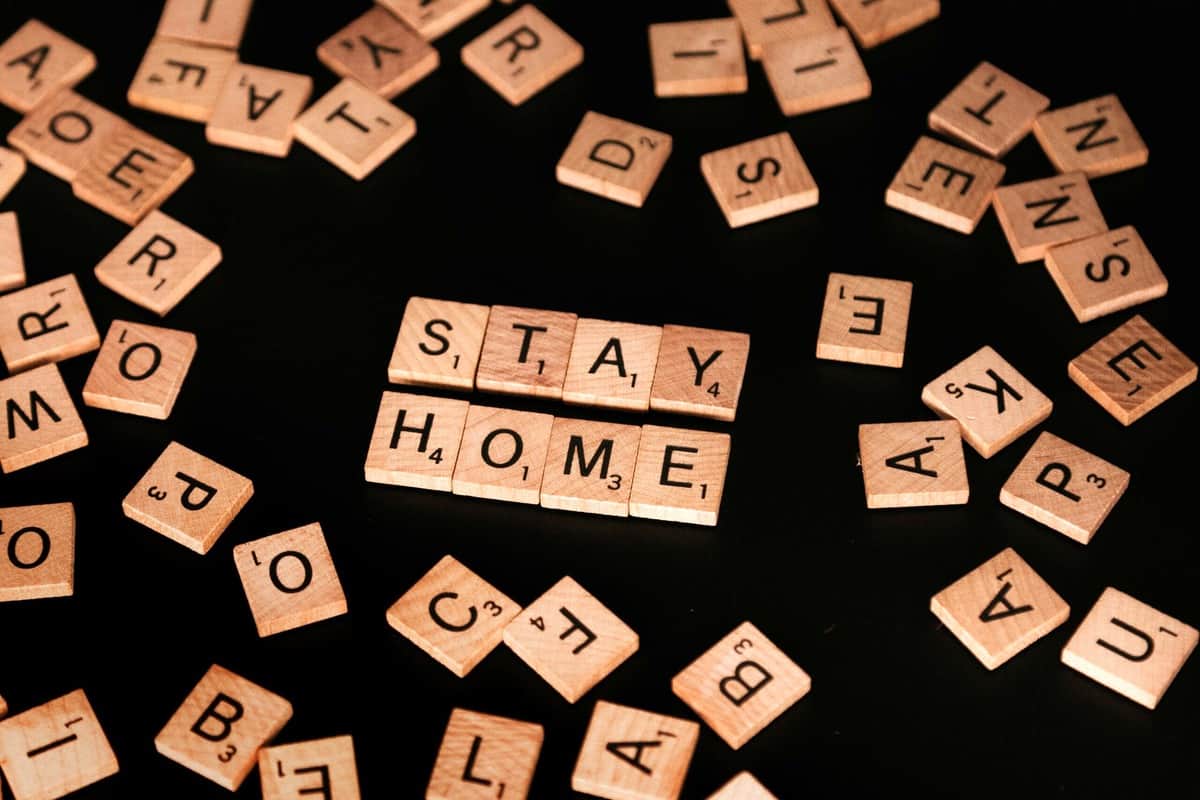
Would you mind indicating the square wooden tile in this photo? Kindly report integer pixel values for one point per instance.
(990, 110)
(614, 159)
(12, 261)
(45, 323)
(876, 21)
(503, 454)
(55, 749)
(816, 72)
(37, 551)
(484, 756)
(759, 180)
(992, 402)
(221, 726)
(38, 61)
(1132, 370)
(3, 708)
(945, 185)
(569, 638)
(439, 343)
(322, 767)
(416, 441)
(525, 351)
(999, 608)
(1038, 215)
(61, 134)
(432, 18)
(188, 498)
(612, 364)
(910, 464)
(1064, 487)
(129, 173)
(744, 786)
(700, 371)
(522, 55)
(698, 57)
(590, 466)
(1104, 273)
(12, 167)
(140, 369)
(42, 420)
(255, 109)
(380, 52)
(864, 320)
(1095, 137)
(289, 580)
(680, 475)
(630, 754)
(180, 79)
(354, 129)
(215, 24)
(766, 21)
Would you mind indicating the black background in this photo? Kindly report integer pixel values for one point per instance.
(296, 325)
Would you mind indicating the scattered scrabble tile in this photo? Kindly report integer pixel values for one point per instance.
(628, 753)
(380, 52)
(570, 639)
(205, 22)
(416, 441)
(37, 551)
(503, 454)
(485, 756)
(759, 180)
(188, 498)
(44, 323)
(432, 18)
(3, 708)
(289, 580)
(1095, 137)
(699, 57)
(12, 261)
(612, 364)
(525, 351)
(42, 420)
(522, 55)
(680, 475)
(908, 464)
(744, 786)
(180, 79)
(815, 72)
(1064, 487)
(1132, 371)
(439, 343)
(140, 369)
(12, 167)
(766, 21)
(354, 129)
(945, 185)
(129, 173)
(1038, 215)
(221, 726)
(1104, 273)
(323, 767)
(876, 21)
(255, 109)
(61, 134)
(590, 466)
(990, 110)
(614, 159)
(55, 749)
(865, 320)
(36, 61)
(700, 371)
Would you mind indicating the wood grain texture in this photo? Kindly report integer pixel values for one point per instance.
(12, 167)
(12, 260)
(1105, 273)
(255, 109)
(698, 57)
(680, 475)
(700, 371)
(503, 454)
(45, 323)
(522, 55)
(439, 343)
(61, 134)
(612, 364)
(909, 464)
(590, 466)
(989, 110)
(54, 749)
(37, 552)
(215, 23)
(876, 21)
(39, 61)
(944, 185)
(743, 786)
(415, 441)
(525, 351)
(760, 179)
(630, 754)
(484, 756)
(129, 173)
(289, 580)
(324, 767)
(43, 422)
(1095, 137)
(180, 79)
(139, 369)
(354, 129)
(864, 320)
(614, 159)
(815, 72)
(380, 52)
(1037, 215)
(766, 21)
(433, 18)
(3, 708)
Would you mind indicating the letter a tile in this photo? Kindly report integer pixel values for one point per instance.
(1038, 215)
(590, 466)
(55, 749)
(816, 72)
(289, 580)
(439, 343)
(522, 55)
(990, 111)
(614, 159)
(865, 320)
(1105, 273)
(12, 261)
(503, 454)
(876, 21)
(416, 441)
(630, 754)
(354, 129)
(945, 185)
(45, 323)
(700, 57)
(759, 180)
(525, 351)
(140, 369)
(484, 756)
(767, 21)
(612, 364)
(256, 108)
(744, 786)
(323, 767)
(908, 464)
(37, 551)
(180, 79)
(380, 52)
(36, 61)
(41, 419)
(680, 475)
(1096, 137)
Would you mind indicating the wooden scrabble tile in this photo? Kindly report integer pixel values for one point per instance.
(439, 343)
(158, 263)
(876, 21)
(1130, 647)
(1038, 215)
(61, 134)
(3, 708)
(354, 129)
(522, 55)
(992, 402)
(612, 364)
(1095, 137)
(525, 351)
(865, 320)
(255, 109)
(289, 580)
(909, 464)
(945, 185)
(35, 61)
(759, 180)
(55, 749)
(699, 57)
(216, 23)
(129, 173)
(324, 767)
(570, 639)
(1064, 487)
(42, 420)
(590, 466)
(1104, 273)
(484, 756)
(680, 475)
(44, 323)
(380, 52)
(12, 261)
(818, 71)
(744, 786)
(188, 498)
(180, 79)
(990, 110)
(453, 615)
(1132, 371)
(999, 608)
(432, 18)
(140, 369)
(614, 159)
(37, 551)
(503, 454)
(766, 21)
(700, 371)
(12, 167)
(416, 441)
(221, 726)
(630, 754)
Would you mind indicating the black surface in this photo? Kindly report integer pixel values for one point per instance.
(295, 329)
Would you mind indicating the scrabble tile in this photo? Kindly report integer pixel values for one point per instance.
(992, 402)
(999, 608)
(221, 726)
(158, 263)
(700, 371)
(354, 129)
(324, 767)
(1064, 487)
(55, 749)
(453, 615)
(522, 55)
(864, 320)
(945, 185)
(180, 79)
(255, 109)
(759, 180)
(12, 261)
(289, 580)
(766, 21)
(140, 369)
(503, 454)
(525, 351)
(129, 173)
(614, 159)
(3, 708)
(590, 466)
(1038, 215)
(1130, 647)
(484, 756)
(612, 364)
(1104, 273)
(188, 498)
(819, 71)
(37, 551)
(416, 441)
(216, 24)
(570, 639)
(36, 61)
(630, 754)
(990, 110)
(439, 343)
(380, 52)
(699, 57)
(1095, 137)
(910, 464)
(61, 134)
(1132, 371)
(42, 420)
(44, 323)
(744, 786)
(876, 21)
(12, 167)
(432, 18)
(680, 475)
